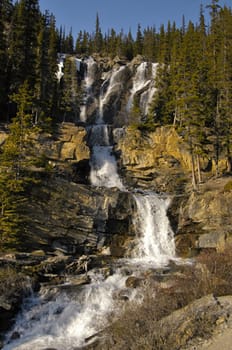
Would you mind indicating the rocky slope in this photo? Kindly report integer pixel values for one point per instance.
(69, 220)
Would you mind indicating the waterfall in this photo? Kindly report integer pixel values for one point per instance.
(103, 163)
(144, 86)
(155, 243)
(87, 86)
(69, 316)
(59, 73)
(60, 322)
(139, 82)
(112, 83)
(146, 96)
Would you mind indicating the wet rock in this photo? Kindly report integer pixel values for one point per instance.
(78, 266)
(15, 335)
(133, 282)
(75, 281)
(13, 287)
(54, 265)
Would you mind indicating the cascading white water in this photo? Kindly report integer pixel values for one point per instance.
(140, 81)
(58, 320)
(144, 84)
(155, 243)
(61, 320)
(114, 82)
(146, 96)
(87, 86)
(104, 168)
(59, 73)
(66, 323)
(103, 163)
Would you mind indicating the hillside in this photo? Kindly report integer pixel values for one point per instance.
(115, 184)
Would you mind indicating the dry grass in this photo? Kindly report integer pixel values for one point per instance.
(148, 326)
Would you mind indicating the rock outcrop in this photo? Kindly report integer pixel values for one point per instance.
(205, 217)
(76, 218)
(157, 159)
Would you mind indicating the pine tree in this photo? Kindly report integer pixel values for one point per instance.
(3, 57)
(224, 72)
(69, 43)
(98, 38)
(23, 42)
(70, 92)
(150, 44)
(15, 176)
(126, 48)
(6, 8)
(46, 67)
(138, 45)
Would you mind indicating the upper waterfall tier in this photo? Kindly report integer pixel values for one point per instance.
(111, 90)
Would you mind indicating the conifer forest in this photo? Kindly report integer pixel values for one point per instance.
(194, 86)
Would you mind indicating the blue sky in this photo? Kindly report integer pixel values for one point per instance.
(122, 14)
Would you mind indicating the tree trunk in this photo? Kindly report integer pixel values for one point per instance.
(229, 164)
(199, 169)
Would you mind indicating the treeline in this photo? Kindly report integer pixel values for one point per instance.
(194, 86)
(30, 42)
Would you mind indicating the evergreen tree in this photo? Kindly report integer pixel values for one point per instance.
(16, 160)
(150, 44)
(23, 42)
(138, 46)
(98, 38)
(224, 72)
(3, 57)
(69, 43)
(126, 48)
(6, 9)
(70, 92)
(46, 67)
(214, 41)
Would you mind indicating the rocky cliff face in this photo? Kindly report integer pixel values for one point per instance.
(96, 217)
(157, 160)
(78, 219)
(69, 213)
(110, 88)
(68, 218)
(205, 219)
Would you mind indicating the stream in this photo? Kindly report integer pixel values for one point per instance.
(68, 316)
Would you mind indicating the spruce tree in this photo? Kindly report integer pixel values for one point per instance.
(3, 57)
(70, 92)
(23, 42)
(98, 38)
(17, 158)
(138, 45)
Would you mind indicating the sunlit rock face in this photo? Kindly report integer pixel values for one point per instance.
(112, 86)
